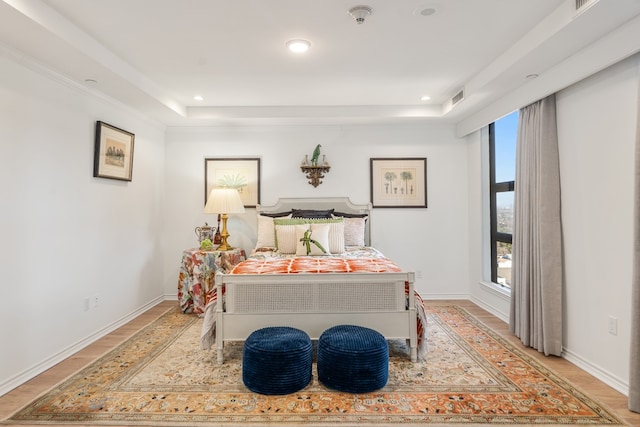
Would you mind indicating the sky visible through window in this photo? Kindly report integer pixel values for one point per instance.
(506, 134)
(505, 137)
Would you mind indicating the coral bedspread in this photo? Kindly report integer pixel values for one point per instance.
(314, 264)
(362, 260)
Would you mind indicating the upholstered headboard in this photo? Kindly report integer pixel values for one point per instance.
(339, 204)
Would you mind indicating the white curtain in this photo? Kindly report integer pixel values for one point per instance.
(536, 296)
(634, 377)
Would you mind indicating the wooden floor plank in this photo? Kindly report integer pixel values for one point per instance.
(25, 393)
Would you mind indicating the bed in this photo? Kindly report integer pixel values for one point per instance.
(349, 282)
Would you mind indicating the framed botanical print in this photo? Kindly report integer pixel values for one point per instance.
(113, 155)
(240, 173)
(399, 182)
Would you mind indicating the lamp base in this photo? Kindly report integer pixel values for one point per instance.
(224, 235)
(224, 247)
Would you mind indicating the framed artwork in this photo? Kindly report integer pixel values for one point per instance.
(113, 156)
(240, 173)
(399, 182)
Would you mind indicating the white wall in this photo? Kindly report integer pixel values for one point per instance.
(432, 240)
(596, 131)
(66, 236)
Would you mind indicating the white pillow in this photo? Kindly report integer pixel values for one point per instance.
(354, 231)
(319, 235)
(286, 237)
(266, 232)
(336, 237)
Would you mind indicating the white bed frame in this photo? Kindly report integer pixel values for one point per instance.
(315, 302)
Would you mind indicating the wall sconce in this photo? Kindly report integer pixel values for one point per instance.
(315, 173)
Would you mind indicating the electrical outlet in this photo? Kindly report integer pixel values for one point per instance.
(613, 325)
(418, 274)
(96, 300)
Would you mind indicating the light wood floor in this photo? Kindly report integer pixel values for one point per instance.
(17, 398)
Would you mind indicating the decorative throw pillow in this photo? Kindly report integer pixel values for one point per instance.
(266, 232)
(286, 238)
(354, 229)
(350, 215)
(311, 213)
(312, 239)
(336, 237)
(277, 214)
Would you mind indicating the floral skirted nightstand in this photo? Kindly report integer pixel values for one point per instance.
(197, 272)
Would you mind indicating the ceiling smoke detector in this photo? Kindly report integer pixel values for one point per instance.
(360, 13)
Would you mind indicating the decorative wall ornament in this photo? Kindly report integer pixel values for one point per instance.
(315, 174)
(316, 170)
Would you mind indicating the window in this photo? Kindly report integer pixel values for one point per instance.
(502, 169)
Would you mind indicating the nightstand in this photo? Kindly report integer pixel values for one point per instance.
(197, 271)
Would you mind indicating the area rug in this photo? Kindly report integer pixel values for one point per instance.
(471, 376)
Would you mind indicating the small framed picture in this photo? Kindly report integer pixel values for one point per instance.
(240, 173)
(113, 157)
(399, 182)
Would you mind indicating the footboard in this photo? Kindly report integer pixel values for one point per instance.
(315, 302)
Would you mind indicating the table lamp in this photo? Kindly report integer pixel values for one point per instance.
(224, 201)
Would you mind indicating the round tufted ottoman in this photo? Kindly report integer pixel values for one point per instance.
(353, 359)
(277, 360)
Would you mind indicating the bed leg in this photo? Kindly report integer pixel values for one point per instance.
(413, 318)
(220, 318)
(413, 350)
(414, 354)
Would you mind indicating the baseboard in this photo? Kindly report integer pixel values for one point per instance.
(491, 309)
(438, 297)
(466, 297)
(606, 377)
(32, 372)
(493, 299)
(594, 370)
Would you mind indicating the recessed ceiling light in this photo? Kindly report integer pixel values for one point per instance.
(198, 98)
(531, 76)
(298, 45)
(425, 98)
(91, 81)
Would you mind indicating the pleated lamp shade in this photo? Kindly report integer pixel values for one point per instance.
(224, 201)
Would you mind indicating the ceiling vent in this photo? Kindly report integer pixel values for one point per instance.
(581, 5)
(457, 97)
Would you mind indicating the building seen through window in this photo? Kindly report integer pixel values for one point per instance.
(502, 160)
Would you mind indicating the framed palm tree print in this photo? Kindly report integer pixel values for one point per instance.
(399, 182)
(241, 173)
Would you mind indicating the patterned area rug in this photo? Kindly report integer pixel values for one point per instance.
(471, 376)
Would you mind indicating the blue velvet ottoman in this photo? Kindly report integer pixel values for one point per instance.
(353, 359)
(277, 360)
